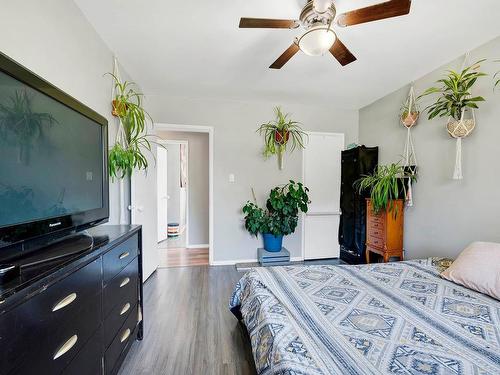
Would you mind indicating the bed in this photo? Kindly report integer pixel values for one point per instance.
(390, 318)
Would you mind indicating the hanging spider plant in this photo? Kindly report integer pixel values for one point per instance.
(20, 125)
(280, 134)
(385, 184)
(128, 152)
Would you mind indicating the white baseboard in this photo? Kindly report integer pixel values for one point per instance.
(199, 246)
(254, 260)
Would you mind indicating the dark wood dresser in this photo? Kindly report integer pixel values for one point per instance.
(384, 231)
(78, 314)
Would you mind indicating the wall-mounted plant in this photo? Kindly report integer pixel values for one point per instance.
(455, 101)
(21, 125)
(281, 134)
(127, 153)
(386, 184)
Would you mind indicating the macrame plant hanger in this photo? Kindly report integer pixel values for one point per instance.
(461, 129)
(409, 155)
(120, 138)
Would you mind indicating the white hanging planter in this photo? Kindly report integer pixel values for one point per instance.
(460, 129)
(410, 113)
(409, 117)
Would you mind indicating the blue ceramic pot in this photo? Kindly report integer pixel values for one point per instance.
(272, 243)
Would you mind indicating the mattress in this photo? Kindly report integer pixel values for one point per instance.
(392, 318)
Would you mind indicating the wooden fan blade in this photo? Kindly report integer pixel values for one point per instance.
(267, 23)
(341, 53)
(287, 55)
(392, 8)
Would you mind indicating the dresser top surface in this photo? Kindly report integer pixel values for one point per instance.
(37, 276)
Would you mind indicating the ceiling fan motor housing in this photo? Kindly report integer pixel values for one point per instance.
(310, 17)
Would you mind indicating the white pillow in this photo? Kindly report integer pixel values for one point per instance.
(477, 268)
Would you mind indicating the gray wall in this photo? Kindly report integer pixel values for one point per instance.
(198, 188)
(238, 150)
(173, 182)
(448, 214)
(54, 40)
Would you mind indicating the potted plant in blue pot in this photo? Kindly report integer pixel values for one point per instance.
(280, 216)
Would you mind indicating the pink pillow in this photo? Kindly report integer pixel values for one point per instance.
(477, 268)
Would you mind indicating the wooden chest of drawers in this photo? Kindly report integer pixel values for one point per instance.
(384, 231)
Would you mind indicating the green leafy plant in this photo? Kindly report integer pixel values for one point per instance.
(127, 153)
(21, 125)
(281, 133)
(385, 185)
(281, 215)
(455, 92)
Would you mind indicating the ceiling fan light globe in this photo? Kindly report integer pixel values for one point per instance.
(317, 41)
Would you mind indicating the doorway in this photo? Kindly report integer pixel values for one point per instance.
(183, 198)
(172, 180)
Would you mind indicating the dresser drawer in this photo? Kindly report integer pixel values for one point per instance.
(88, 361)
(375, 224)
(376, 219)
(375, 233)
(119, 315)
(117, 258)
(49, 349)
(61, 301)
(32, 333)
(376, 242)
(120, 289)
(121, 342)
(16, 341)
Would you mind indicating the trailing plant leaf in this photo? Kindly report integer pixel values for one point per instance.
(282, 210)
(385, 185)
(128, 154)
(496, 77)
(455, 93)
(280, 133)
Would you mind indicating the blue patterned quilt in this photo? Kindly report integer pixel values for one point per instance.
(392, 318)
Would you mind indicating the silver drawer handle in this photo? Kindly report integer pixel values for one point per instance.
(66, 346)
(125, 308)
(125, 335)
(124, 255)
(124, 282)
(64, 302)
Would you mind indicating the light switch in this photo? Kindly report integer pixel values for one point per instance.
(231, 178)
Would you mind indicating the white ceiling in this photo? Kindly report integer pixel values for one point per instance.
(194, 48)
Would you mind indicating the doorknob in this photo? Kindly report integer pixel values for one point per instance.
(138, 208)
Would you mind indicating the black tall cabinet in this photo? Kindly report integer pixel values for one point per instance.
(356, 162)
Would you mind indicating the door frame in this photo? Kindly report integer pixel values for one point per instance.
(186, 143)
(210, 131)
(303, 216)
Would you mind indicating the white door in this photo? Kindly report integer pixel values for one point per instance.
(321, 170)
(144, 207)
(162, 165)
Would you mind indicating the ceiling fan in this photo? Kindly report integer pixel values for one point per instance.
(317, 17)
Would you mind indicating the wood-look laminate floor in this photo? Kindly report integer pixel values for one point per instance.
(188, 327)
(183, 257)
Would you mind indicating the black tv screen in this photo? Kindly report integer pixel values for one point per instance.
(52, 158)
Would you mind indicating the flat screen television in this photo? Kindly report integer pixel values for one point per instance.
(53, 159)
